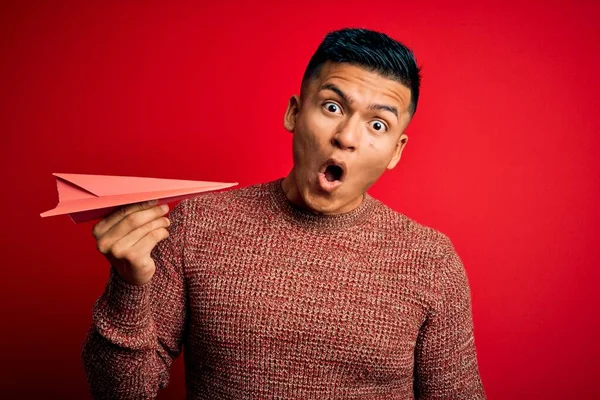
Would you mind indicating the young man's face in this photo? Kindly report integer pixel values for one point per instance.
(348, 129)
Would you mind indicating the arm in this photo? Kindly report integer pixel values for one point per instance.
(137, 331)
(446, 361)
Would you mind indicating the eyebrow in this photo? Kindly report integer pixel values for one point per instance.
(346, 99)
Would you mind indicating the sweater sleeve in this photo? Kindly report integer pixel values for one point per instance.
(446, 361)
(137, 331)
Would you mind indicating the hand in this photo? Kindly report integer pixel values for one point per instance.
(127, 236)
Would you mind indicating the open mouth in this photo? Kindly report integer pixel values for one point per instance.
(331, 174)
(334, 173)
(333, 170)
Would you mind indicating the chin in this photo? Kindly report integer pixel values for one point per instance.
(315, 201)
(320, 202)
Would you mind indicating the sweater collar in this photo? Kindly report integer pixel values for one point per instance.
(309, 220)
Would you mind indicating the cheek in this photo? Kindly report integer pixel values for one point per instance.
(378, 156)
(305, 145)
(311, 133)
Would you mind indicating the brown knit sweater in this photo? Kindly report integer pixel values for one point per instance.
(274, 302)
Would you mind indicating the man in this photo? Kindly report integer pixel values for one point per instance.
(301, 288)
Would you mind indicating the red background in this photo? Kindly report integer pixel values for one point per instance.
(502, 157)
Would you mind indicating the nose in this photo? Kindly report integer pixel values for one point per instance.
(347, 135)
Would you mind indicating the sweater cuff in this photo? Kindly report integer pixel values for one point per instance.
(123, 314)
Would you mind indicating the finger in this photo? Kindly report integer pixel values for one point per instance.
(115, 217)
(144, 246)
(125, 245)
(129, 224)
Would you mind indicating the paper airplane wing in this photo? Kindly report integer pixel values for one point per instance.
(89, 197)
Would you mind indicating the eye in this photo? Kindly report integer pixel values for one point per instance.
(332, 107)
(378, 126)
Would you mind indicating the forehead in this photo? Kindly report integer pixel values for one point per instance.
(362, 85)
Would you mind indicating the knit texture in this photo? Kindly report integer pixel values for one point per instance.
(274, 302)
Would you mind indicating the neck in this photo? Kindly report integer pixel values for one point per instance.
(311, 220)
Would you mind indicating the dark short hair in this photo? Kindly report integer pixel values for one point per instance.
(371, 50)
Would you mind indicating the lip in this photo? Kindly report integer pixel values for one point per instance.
(325, 185)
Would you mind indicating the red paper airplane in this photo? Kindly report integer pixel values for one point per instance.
(89, 197)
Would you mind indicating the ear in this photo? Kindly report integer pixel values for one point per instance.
(398, 151)
(293, 108)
